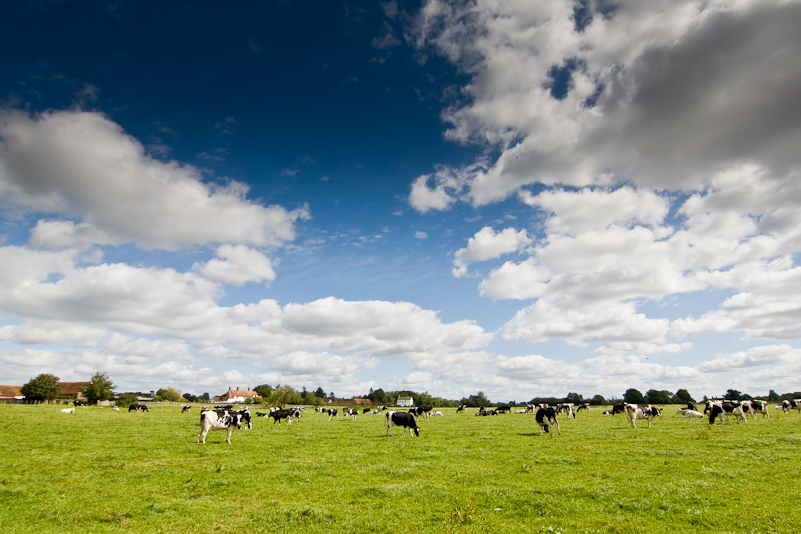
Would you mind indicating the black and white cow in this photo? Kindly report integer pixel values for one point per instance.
(568, 408)
(641, 411)
(461, 408)
(725, 409)
(619, 408)
(138, 408)
(332, 412)
(218, 420)
(402, 419)
(755, 406)
(546, 418)
(277, 415)
(791, 404)
(80, 403)
(503, 408)
(421, 411)
(350, 412)
(185, 408)
(585, 406)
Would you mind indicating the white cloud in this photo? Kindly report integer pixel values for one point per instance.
(753, 357)
(486, 245)
(238, 264)
(82, 165)
(665, 94)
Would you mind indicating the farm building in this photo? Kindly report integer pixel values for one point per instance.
(235, 395)
(10, 392)
(405, 402)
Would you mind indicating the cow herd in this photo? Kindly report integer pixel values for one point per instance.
(229, 419)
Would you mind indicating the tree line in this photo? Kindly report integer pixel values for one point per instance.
(46, 387)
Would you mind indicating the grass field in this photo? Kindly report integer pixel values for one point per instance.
(104, 471)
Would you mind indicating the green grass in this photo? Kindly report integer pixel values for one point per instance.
(103, 471)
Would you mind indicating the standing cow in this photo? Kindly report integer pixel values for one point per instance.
(546, 418)
(218, 420)
(402, 419)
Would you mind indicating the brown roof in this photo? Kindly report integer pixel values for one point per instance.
(71, 388)
(10, 391)
(362, 401)
(231, 393)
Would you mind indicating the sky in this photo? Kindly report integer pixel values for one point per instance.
(520, 198)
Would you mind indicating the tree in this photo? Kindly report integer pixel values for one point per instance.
(658, 397)
(575, 398)
(683, 397)
(169, 395)
(733, 394)
(263, 390)
(319, 393)
(633, 396)
(598, 400)
(99, 388)
(284, 395)
(773, 396)
(189, 397)
(43, 387)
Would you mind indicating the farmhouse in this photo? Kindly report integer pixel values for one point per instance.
(406, 402)
(10, 392)
(235, 395)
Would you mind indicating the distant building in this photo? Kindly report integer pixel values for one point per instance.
(362, 402)
(71, 390)
(235, 395)
(405, 402)
(10, 392)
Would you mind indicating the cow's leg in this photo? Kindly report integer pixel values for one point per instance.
(228, 439)
(558, 430)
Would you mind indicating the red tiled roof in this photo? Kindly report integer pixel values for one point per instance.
(71, 388)
(9, 392)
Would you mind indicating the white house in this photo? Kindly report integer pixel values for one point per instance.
(405, 402)
(235, 395)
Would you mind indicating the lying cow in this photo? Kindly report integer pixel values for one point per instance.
(68, 410)
(406, 420)
(546, 418)
(641, 411)
(218, 420)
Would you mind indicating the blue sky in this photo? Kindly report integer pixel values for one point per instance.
(524, 199)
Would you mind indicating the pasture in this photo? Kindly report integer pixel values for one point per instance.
(99, 471)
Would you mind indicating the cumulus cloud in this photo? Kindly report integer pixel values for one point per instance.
(662, 95)
(237, 265)
(82, 165)
(486, 245)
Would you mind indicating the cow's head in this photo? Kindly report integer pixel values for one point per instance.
(245, 413)
(416, 431)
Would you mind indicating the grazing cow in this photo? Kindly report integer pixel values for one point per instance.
(403, 419)
(585, 406)
(724, 409)
(641, 411)
(461, 408)
(691, 406)
(350, 412)
(503, 408)
(138, 408)
(567, 407)
(185, 408)
(421, 411)
(791, 404)
(756, 406)
(332, 412)
(619, 408)
(366, 410)
(80, 403)
(282, 414)
(218, 420)
(546, 418)
(68, 410)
